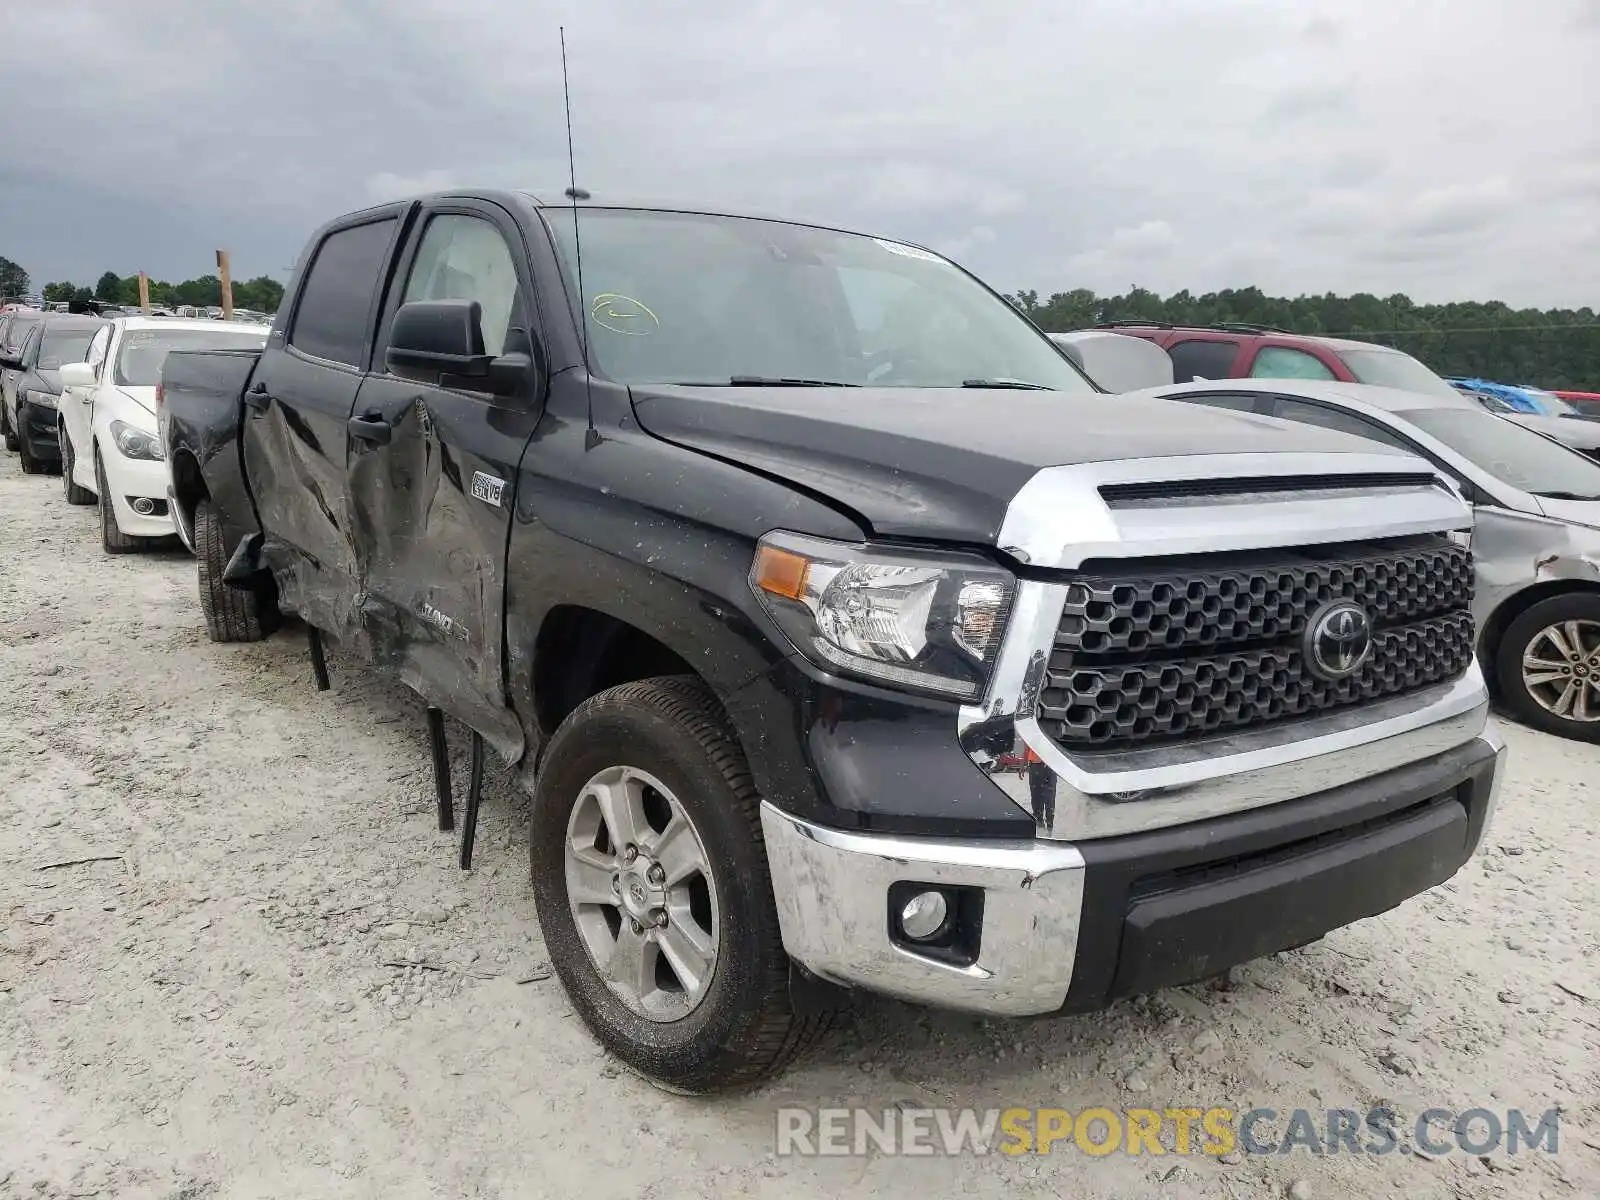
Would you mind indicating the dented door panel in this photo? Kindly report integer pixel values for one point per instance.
(430, 509)
(294, 450)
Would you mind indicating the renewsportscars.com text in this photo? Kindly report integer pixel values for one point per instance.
(1211, 1131)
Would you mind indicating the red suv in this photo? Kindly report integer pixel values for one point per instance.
(1237, 351)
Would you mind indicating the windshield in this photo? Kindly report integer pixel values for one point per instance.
(1549, 403)
(688, 298)
(63, 346)
(1390, 368)
(144, 351)
(17, 331)
(1511, 453)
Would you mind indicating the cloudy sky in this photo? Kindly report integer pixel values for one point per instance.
(1449, 149)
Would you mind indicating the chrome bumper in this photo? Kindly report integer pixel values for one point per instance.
(832, 889)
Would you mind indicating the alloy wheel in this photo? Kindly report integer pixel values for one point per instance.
(1561, 670)
(640, 887)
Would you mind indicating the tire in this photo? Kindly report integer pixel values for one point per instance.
(30, 464)
(13, 443)
(743, 1028)
(232, 614)
(74, 493)
(112, 539)
(1538, 702)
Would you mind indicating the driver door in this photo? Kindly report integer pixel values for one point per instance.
(77, 409)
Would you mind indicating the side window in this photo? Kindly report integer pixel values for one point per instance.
(1202, 359)
(1333, 418)
(332, 317)
(1237, 403)
(96, 357)
(1280, 362)
(466, 258)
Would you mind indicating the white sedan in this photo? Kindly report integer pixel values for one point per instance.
(110, 451)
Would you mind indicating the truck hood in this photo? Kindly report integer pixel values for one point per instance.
(944, 463)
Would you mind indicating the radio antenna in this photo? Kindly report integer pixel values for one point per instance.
(574, 194)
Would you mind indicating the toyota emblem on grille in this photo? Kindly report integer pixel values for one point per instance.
(1338, 639)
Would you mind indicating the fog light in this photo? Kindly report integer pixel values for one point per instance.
(143, 506)
(924, 916)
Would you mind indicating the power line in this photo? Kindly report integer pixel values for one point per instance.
(1351, 333)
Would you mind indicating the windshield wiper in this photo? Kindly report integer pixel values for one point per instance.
(1019, 385)
(784, 381)
(1565, 496)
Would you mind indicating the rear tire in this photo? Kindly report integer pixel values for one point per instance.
(1563, 632)
(75, 494)
(232, 614)
(736, 1028)
(112, 539)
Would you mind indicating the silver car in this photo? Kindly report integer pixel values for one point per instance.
(1536, 540)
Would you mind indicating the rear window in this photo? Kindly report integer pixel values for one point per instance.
(1202, 358)
(335, 309)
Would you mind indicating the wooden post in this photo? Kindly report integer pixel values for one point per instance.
(144, 292)
(227, 285)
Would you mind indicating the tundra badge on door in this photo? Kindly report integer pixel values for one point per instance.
(487, 488)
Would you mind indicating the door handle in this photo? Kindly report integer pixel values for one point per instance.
(370, 428)
(256, 396)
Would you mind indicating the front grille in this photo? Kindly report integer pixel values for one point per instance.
(1162, 649)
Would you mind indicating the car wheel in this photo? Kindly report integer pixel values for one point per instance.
(74, 493)
(232, 614)
(112, 539)
(13, 443)
(30, 464)
(651, 882)
(1548, 666)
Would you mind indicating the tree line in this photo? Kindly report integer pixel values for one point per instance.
(1551, 348)
(263, 293)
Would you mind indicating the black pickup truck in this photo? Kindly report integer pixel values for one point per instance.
(843, 632)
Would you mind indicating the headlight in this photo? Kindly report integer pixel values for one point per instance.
(135, 443)
(40, 399)
(921, 622)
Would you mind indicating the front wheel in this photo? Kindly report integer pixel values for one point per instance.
(74, 493)
(30, 464)
(112, 539)
(1548, 666)
(651, 881)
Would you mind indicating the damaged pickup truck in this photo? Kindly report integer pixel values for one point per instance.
(843, 632)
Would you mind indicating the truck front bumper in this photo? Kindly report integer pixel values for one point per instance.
(1044, 926)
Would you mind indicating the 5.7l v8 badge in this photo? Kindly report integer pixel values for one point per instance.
(487, 488)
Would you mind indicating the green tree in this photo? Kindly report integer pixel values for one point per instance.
(13, 279)
(56, 293)
(109, 288)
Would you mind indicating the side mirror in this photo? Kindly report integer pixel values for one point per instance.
(10, 361)
(442, 341)
(77, 375)
(438, 337)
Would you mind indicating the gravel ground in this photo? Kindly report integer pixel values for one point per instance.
(281, 985)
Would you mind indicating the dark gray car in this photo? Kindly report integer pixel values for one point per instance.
(1536, 540)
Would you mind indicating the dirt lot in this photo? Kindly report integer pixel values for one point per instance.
(283, 987)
